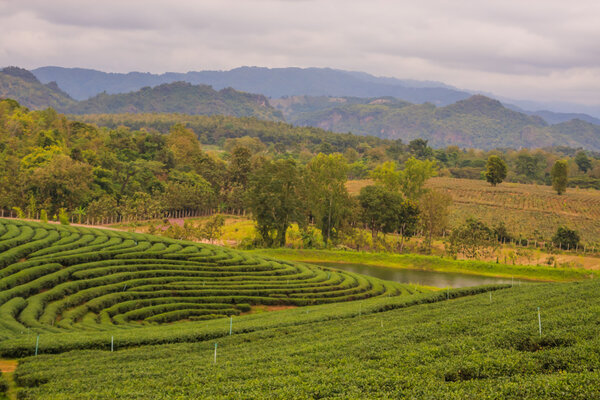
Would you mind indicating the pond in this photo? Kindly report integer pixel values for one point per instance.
(418, 276)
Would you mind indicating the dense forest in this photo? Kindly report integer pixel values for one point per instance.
(172, 162)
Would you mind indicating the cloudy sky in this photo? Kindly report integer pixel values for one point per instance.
(535, 49)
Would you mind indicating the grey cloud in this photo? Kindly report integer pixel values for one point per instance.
(531, 49)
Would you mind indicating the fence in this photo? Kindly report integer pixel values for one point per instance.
(125, 219)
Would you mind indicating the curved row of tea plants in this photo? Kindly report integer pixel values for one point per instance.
(56, 279)
(474, 347)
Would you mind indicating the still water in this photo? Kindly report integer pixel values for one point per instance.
(418, 276)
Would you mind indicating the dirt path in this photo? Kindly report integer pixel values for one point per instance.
(8, 366)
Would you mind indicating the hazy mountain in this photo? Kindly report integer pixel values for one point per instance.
(180, 97)
(478, 122)
(21, 85)
(272, 82)
(555, 117)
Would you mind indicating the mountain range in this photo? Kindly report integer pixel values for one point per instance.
(470, 121)
(478, 122)
(176, 97)
(82, 84)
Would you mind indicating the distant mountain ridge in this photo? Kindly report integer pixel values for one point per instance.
(177, 97)
(83, 83)
(271, 82)
(478, 122)
(180, 97)
(21, 85)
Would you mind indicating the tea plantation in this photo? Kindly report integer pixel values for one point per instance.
(117, 315)
(57, 278)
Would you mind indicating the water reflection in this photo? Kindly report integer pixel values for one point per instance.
(418, 276)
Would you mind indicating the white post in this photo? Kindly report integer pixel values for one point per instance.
(215, 353)
(540, 321)
(230, 324)
(112, 344)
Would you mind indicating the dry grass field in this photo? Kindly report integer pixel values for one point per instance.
(532, 211)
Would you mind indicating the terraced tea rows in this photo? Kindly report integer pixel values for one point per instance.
(57, 278)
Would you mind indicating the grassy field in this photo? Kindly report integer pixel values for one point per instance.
(533, 211)
(480, 346)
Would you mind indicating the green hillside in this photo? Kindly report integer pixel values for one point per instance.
(180, 97)
(481, 346)
(122, 315)
(476, 122)
(56, 279)
(21, 85)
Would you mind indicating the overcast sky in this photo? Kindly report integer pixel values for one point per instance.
(528, 49)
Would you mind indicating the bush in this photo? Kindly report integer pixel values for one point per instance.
(63, 216)
(566, 238)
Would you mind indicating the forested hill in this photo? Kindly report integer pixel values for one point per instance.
(178, 97)
(21, 85)
(181, 97)
(477, 122)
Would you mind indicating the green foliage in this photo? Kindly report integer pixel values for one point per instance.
(473, 239)
(3, 384)
(495, 170)
(559, 176)
(583, 161)
(19, 211)
(274, 198)
(213, 228)
(327, 197)
(63, 216)
(434, 212)
(414, 175)
(387, 176)
(566, 238)
(43, 216)
(381, 209)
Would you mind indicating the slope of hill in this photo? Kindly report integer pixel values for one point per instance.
(21, 85)
(489, 346)
(478, 122)
(272, 82)
(180, 97)
(96, 279)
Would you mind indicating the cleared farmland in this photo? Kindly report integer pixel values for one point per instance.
(532, 211)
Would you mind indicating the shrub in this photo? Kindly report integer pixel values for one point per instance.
(566, 238)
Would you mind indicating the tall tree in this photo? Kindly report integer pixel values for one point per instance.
(327, 196)
(407, 220)
(414, 176)
(495, 170)
(435, 210)
(380, 208)
(275, 199)
(583, 161)
(559, 176)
